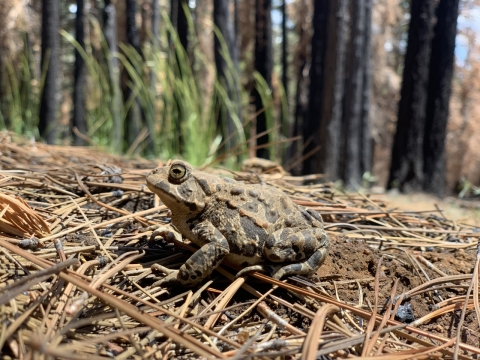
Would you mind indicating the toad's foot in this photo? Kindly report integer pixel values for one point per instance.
(307, 268)
(166, 232)
(168, 281)
(261, 268)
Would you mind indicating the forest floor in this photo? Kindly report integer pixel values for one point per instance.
(79, 204)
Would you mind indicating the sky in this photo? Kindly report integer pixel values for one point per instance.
(471, 21)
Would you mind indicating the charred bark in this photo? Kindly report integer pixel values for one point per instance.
(284, 48)
(311, 122)
(178, 17)
(133, 125)
(227, 75)
(330, 120)
(263, 65)
(352, 122)
(156, 24)
(366, 142)
(439, 88)
(406, 171)
(79, 121)
(110, 34)
(49, 61)
(302, 65)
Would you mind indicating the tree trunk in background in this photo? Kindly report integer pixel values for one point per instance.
(79, 120)
(406, 171)
(264, 66)
(4, 116)
(179, 21)
(110, 34)
(366, 142)
(439, 88)
(227, 75)
(330, 133)
(133, 125)
(353, 97)
(284, 50)
(235, 22)
(204, 67)
(50, 48)
(156, 24)
(311, 123)
(302, 64)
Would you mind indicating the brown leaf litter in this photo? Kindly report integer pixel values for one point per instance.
(76, 275)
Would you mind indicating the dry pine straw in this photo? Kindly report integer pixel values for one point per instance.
(76, 278)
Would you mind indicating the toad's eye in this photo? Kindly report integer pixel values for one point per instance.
(177, 172)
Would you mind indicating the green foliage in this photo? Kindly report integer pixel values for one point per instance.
(466, 188)
(179, 121)
(21, 103)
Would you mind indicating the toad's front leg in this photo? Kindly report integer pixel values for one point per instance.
(204, 260)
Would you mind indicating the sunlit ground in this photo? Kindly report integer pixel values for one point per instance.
(461, 211)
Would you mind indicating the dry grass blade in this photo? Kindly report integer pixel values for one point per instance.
(310, 345)
(474, 282)
(18, 219)
(131, 311)
(87, 206)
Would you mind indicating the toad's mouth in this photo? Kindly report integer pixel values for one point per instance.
(161, 188)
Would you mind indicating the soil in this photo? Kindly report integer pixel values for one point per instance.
(355, 260)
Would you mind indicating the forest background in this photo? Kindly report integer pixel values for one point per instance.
(369, 92)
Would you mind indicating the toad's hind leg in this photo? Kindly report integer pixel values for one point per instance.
(307, 268)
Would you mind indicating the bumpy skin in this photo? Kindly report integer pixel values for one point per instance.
(249, 225)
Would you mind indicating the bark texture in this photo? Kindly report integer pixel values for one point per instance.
(79, 121)
(48, 118)
(406, 171)
(439, 88)
(263, 64)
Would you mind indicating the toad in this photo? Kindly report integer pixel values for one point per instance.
(255, 226)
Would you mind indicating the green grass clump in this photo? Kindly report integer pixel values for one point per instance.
(178, 120)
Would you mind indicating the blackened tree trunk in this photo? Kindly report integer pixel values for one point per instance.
(263, 64)
(50, 48)
(352, 126)
(178, 17)
(110, 34)
(133, 124)
(156, 24)
(302, 64)
(439, 88)
(330, 122)
(284, 48)
(406, 171)
(311, 123)
(227, 75)
(79, 121)
(4, 115)
(366, 143)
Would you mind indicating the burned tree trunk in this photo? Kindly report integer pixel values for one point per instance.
(353, 98)
(366, 143)
(439, 88)
(79, 121)
(406, 171)
(227, 75)
(284, 48)
(133, 125)
(311, 122)
(302, 64)
(263, 64)
(50, 48)
(156, 24)
(178, 17)
(110, 34)
(330, 120)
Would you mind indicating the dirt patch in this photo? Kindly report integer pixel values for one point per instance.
(355, 260)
